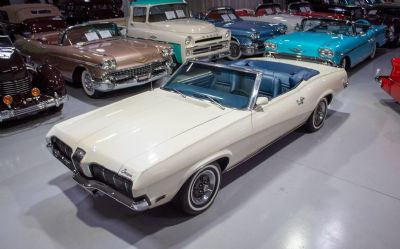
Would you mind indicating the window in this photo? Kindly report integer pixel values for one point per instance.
(160, 13)
(139, 14)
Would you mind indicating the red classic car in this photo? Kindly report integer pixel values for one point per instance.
(27, 19)
(305, 9)
(391, 83)
(245, 12)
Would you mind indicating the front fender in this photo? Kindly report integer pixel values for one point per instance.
(50, 80)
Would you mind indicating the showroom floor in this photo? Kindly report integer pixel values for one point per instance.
(337, 188)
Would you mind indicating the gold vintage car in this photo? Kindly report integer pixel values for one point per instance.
(100, 59)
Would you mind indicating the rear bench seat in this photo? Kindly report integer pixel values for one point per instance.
(278, 77)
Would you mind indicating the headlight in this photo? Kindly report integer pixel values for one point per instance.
(227, 34)
(270, 45)
(255, 35)
(282, 29)
(188, 40)
(165, 52)
(326, 52)
(108, 64)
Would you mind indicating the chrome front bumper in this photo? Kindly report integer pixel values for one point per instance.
(96, 187)
(251, 50)
(107, 85)
(10, 114)
(302, 58)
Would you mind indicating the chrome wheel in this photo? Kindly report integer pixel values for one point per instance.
(200, 190)
(203, 188)
(320, 113)
(87, 83)
(235, 52)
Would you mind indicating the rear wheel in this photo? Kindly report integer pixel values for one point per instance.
(235, 52)
(198, 193)
(318, 116)
(88, 86)
(372, 55)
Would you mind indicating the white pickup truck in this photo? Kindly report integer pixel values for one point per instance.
(170, 21)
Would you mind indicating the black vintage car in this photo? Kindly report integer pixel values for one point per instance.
(388, 14)
(23, 90)
(80, 11)
(344, 7)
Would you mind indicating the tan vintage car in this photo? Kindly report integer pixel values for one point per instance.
(100, 59)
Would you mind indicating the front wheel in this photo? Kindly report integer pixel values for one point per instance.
(318, 116)
(88, 86)
(198, 193)
(235, 52)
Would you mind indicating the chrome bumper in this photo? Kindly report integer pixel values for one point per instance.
(107, 85)
(10, 114)
(301, 58)
(212, 57)
(95, 187)
(251, 50)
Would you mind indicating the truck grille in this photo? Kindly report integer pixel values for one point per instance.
(208, 49)
(140, 73)
(15, 87)
(112, 179)
(209, 39)
(64, 149)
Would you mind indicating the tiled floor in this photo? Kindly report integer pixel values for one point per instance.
(337, 188)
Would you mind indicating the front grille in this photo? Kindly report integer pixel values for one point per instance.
(207, 49)
(112, 179)
(16, 87)
(139, 73)
(64, 149)
(209, 39)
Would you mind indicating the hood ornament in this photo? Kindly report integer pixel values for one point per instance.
(142, 59)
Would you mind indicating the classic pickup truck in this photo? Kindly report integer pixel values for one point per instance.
(170, 21)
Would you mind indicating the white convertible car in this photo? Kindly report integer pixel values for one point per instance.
(175, 141)
(272, 13)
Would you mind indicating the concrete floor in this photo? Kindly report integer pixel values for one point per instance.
(337, 188)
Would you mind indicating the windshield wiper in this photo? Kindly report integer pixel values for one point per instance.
(175, 91)
(202, 95)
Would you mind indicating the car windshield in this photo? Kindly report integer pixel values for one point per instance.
(225, 15)
(303, 7)
(222, 86)
(270, 9)
(166, 12)
(344, 2)
(327, 26)
(88, 33)
(5, 42)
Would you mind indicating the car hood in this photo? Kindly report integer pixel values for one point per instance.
(309, 42)
(185, 26)
(136, 125)
(11, 66)
(254, 26)
(126, 52)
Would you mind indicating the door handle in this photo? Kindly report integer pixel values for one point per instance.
(300, 101)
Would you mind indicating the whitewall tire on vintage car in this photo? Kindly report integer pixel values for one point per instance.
(234, 49)
(199, 192)
(318, 116)
(87, 85)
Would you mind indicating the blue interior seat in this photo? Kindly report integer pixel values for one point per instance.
(270, 86)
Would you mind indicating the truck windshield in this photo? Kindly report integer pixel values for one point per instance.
(225, 86)
(5, 42)
(166, 12)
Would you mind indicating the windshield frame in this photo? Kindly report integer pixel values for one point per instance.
(186, 12)
(256, 86)
(64, 35)
(353, 30)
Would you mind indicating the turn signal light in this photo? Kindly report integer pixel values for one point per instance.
(35, 92)
(8, 99)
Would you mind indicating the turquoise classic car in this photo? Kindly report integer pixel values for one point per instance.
(337, 42)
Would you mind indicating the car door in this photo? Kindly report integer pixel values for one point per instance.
(363, 45)
(281, 115)
(137, 25)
